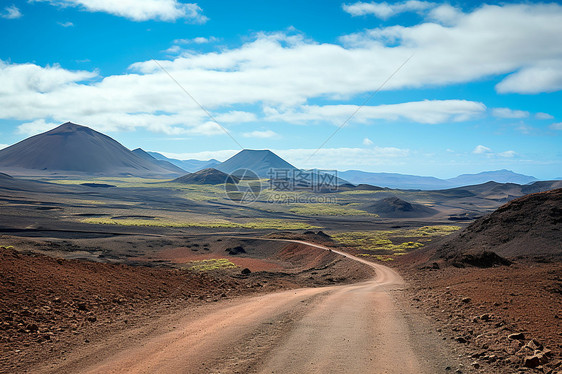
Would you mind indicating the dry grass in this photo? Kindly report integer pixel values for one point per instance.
(257, 224)
(211, 264)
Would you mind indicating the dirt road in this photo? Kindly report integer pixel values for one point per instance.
(358, 328)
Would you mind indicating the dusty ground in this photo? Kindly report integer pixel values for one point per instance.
(356, 328)
(49, 305)
(480, 308)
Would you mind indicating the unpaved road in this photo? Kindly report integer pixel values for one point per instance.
(358, 328)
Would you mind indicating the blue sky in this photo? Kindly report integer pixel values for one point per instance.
(480, 89)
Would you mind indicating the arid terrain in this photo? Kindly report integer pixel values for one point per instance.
(128, 274)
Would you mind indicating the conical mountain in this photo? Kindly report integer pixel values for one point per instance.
(258, 161)
(76, 149)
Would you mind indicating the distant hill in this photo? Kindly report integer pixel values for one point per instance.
(394, 207)
(501, 192)
(76, 149)
(205, 176)
(500, 176)
(393, 180)
(527, 226)
(164, 164)
(404, 181)
(258, 161)
(190, 166)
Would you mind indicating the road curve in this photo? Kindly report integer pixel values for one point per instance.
(357, 328)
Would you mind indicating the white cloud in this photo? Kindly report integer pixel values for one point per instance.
(445, 14)
(556, 126)
(36, 127)
(525, 48)
(281, 73)
(235, 116)
(66, 24)
(197, 40)
(543, 77)
(207, 128)
(507, 154)
(427, 112)
(385, 10)
(265, 134)
(138, 10)
(175, 49)
(483, 150)
(20, 79)
(480, 149)
(509, 113)
(367, 142)
(541, 115)
(11, 12)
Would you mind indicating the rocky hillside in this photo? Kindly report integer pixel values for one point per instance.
(525, 227)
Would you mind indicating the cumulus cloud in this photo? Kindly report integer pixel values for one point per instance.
(385, 10)
(265, 134)
(531, 60)
(543, 77)
(483, 150)
(509, 113)
(480, 149)
(427, 112)
(279, 74)
(11, 12)
(36, 127)
(556, 126)
(445, 14)
(138, 10)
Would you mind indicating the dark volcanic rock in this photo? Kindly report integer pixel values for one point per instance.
(206, 176)
(484, 259)
(393, 207)
(525, 227)
(75, 148)
(236, 250)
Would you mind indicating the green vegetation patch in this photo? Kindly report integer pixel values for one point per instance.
(327, 210)
(438, 230)
(6, 247)
(258, 224)
(211, 264)
(391, 242)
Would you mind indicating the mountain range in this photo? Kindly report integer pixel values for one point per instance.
(72, 148)
(404, 181)
(190, 166)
